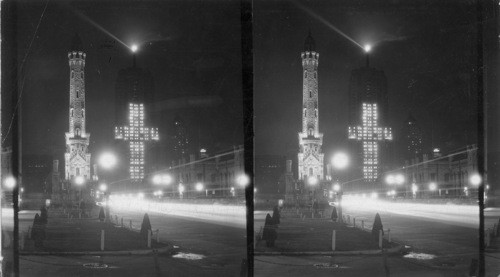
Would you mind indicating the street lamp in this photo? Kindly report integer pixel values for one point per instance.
(339, 161)
(10, 182)
(134, 48)
(199, 186)
(103, 187)
(475, 179)
(107, 160)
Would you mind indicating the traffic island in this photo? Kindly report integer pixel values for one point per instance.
(87, 236)
(314, 237)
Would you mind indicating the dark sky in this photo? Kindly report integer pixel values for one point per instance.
(426, 52)
(192, 49)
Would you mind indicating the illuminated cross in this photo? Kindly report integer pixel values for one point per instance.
(136, 134)
(370, 133)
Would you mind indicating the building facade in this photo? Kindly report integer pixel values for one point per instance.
(77, 156)
(437, 175)
(411, 138)
(217, 173)
(310, 156)
(368, 106)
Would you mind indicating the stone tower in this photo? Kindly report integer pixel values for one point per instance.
(310, 157)
(77, 157)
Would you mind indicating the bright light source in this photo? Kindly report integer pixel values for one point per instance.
(393, 192)
(389, 179)
(199, 186)
(475, 179)
(312, 181)
(399, 179)
(243, 180)
(432, 186)
(340, 160)
(414, 188)
(103, 187)
(10, 182)
(107, 160)
(336, 187)
(79, 180)
(166, 179)
(134, 48)
(156, 179)
(368, 48)
(466, 188)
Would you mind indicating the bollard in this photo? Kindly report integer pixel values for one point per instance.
(333, 240)
(380, 238)
(130, 224)
(354, 222)
(158, 235)
(389, 235)
(122, 222)
(362, 224)
(149, 238)
(102, 240)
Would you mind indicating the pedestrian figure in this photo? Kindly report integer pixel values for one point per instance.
(377, 226)
(145, 226)
(334, 214)
(102, 216)
(43, 215)
(38, 232)
(276, 215)
(269, 234)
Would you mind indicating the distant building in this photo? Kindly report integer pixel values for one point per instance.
(437, 175)
(411, 138)
(77, 156)
(368, 134)
(310, 156)
(134, 101)
(268, 170)
(37, 173)
(217, 174)
(180, 140)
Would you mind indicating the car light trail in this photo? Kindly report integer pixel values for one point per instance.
(216, 213)
(462, 214)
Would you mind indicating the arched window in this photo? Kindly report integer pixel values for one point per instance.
(72, 74)
(305, 112)
(316, 112)
(77, 93)
(310, 133)
(77, 132)
(311, 171)
(71, 112)
(310, 94)
(305, 74)
(83, 113)
(315, 75)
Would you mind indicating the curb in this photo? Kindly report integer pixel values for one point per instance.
(392, 250)
(162, 250)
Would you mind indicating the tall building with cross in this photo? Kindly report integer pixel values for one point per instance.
(310, 157)
(77, 156)
(368, 107)
(134, 99)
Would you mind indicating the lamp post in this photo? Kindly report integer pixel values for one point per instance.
(107, 161)
(339, 161)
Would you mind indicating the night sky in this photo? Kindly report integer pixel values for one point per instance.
(192, 49)
(426, 52)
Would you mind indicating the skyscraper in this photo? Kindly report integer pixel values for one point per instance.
(368, 107)
(180, 140)
(411, 138)
(77, 158)
(134, 98)
(310, 157)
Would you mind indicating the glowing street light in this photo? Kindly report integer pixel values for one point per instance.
(10, 182)
(199, 186)
(340, 160)
(134, 48)
(475, 179)
(79, 180)
(103, 187)
(312, 181)
(243, 180)
(336, 187)
(432, 186)
(367, 48)
(107, 160)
